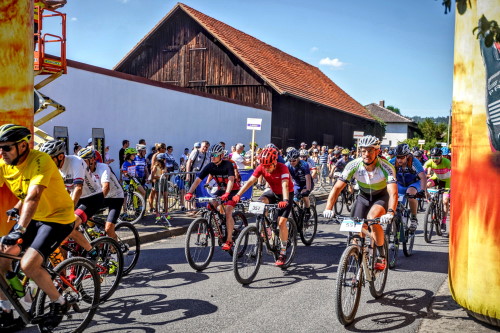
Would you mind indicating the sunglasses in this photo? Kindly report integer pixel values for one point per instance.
(400, 157)
(433, 157)
(7, 148)
(293, 160)
(215, 155)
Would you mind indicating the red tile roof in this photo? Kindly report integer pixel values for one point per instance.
(285, 73)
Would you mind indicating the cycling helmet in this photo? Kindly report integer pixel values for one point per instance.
(402, 149)
(445, 150)
(369, 141)
(161, 157)
(336, 152)
(226, 154)
(268, 156)
(216, 149)
(314, 143)
(54, 148)
(293, 154)
(436, 151)
(289, 149)
(271, 145)
(130, 151)
(14, 133)
(392, 152)
(303, 152)
(417, 153)
(346, 151)
(140, 147)
(86, 153)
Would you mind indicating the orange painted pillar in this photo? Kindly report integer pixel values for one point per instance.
(16, 79)
(474, 270)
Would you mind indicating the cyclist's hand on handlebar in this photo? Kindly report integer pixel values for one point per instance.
(329, 214)
(13, 212)
(188, 196)
(12, 238)
(283, 204)
(387, 218)
(236, 198)
(224, 197)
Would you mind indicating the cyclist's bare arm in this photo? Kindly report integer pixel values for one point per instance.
(308, 183)
(105, 188)
(334, 194)
(230, 184)
(77, 192)
(393, 196)
(284, 187)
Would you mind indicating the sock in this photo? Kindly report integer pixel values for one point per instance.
(413, 216)
(6, 306)
(283, 248)
(60, 300)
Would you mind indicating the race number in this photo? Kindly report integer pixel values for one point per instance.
(351, 226)
(401, 198)
(256, 207)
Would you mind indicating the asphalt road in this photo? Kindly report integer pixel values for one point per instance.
(163, 293)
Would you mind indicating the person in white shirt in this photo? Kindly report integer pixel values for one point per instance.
(240, 160)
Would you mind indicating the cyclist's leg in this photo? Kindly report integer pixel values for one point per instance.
(413, 189)
(283, 214)
(379, 207)
(93, 204)
(114, 205)
(360, 210)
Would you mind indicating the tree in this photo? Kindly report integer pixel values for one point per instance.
(393, 109)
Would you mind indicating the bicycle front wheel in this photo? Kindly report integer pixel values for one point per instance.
(348, 285)
(391, 234)
(408, 245)
(130, 245)
(200, 244)
(108, 259)
(240, 223)
(379, 278)
(429, 219)
(247, 255)
(291, 244)
(134, 208)
(309, 227)
(77, 281)
(312, 199)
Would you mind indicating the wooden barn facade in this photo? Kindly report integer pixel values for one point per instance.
(192, 50)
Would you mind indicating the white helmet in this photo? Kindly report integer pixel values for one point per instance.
(369, 141)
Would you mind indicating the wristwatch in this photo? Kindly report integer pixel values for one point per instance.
(390, 210)
(20, 228)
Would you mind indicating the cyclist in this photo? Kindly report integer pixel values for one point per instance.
(129, 170)
(340, 166)
(280, 191)
(441, 167)
(223, 173)
(301, 178)
(141, 169)
(46, 217)
(410, 177)
(83, 187)
(419, 156)
(304, 156)
(111, 189)
(378, 195)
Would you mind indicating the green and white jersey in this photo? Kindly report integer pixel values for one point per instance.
(370, 182)
(442, 171)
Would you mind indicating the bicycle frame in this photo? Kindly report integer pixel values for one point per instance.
(217, 227)
(265, 224)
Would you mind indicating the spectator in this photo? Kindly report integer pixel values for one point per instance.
(160, 148)
(149, 158)
(107, 157)
(313, 147)
(303, 145)
(223, 144)
(170, 160)
(141, 170)
(198, 157)
(233, 150)
(237, 157)
(76, 148)
(183, 159)
(121, 153)
(141, 142)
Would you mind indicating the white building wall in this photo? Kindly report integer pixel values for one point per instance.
(394, 133)
(132, 110)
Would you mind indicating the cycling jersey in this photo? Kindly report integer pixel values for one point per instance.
(75, 171)
(104, 174)
(140, 167)
(408, 175)
(130, 169)
(341, 164)
(299, 173)
(442, 171)
(55, 204)
(274, 179)
(220, 173)
(370, 182)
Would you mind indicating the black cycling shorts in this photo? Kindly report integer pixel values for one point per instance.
(115, 207)
(45, 237)
(93, 204)
(364, 203)
(275, 198)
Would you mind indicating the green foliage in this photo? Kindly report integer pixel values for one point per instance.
(393, 109)
(437, 120)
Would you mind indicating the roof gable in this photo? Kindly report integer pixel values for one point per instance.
(283, 72)
(387, 115)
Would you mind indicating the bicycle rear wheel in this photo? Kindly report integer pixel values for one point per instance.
(130, 245)
(134, 208)
(78, 282)
(429, 221)
(240, 223)
(247, 255)
(348, 200)
(312, 200)
(108, 259)
(339, 204)
(379, 278)
(391, 234)
(200, 244)
(309, 227)
(348, 285)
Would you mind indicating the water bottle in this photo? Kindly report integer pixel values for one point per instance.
(56, 257)
(15, 283)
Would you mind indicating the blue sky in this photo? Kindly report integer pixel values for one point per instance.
(392, 50)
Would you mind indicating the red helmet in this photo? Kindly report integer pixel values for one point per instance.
(268, 156)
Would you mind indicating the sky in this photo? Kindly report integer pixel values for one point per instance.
(392, 50)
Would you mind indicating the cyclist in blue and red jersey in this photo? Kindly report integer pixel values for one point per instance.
(280, 191)
(141, 165)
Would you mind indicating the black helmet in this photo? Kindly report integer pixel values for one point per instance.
(14, 133)
(436, 152)
(402, 149)
(293, 154)
(417, 153)
(54, 147)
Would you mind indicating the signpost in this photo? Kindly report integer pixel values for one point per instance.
(421, 142)
(357, 135)
(253, 124)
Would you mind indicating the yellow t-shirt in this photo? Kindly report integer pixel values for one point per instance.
(39, 169)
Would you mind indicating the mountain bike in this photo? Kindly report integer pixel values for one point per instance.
(247, 255)
(346, 197)
(201, 233)
(356, 267)
(307, 227)
(434, 214)
(77, 281)
(398, 231)
(134, 205)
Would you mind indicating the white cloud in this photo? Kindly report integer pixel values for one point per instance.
(74, 19)
(314, 49)
(334, 63)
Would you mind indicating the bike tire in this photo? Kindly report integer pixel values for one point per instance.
(200, 244)
(408, 245)
(379, 279)
(348, 200)
(312, 200)
(309, 229)
(439, 216)
(173, 195)
(84, 292)
(391, 234)
(240, 223)
(429, 222)
(109, 264)
(247, 255)
(348, 285)
(291, 244)
(131, 213)
(339, 204)
(130, 245)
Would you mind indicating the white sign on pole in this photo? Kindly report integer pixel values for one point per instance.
(358, 134)
(421, 142)
(444, 144)
(254, 124)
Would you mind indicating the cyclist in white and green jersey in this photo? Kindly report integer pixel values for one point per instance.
(378, 196)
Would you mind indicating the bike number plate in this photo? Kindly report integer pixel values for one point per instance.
(351, 226)
(256, 207)
(401, 198)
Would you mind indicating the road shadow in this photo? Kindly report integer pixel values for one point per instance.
(165, 273)
(387, 321)
(273, 282)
